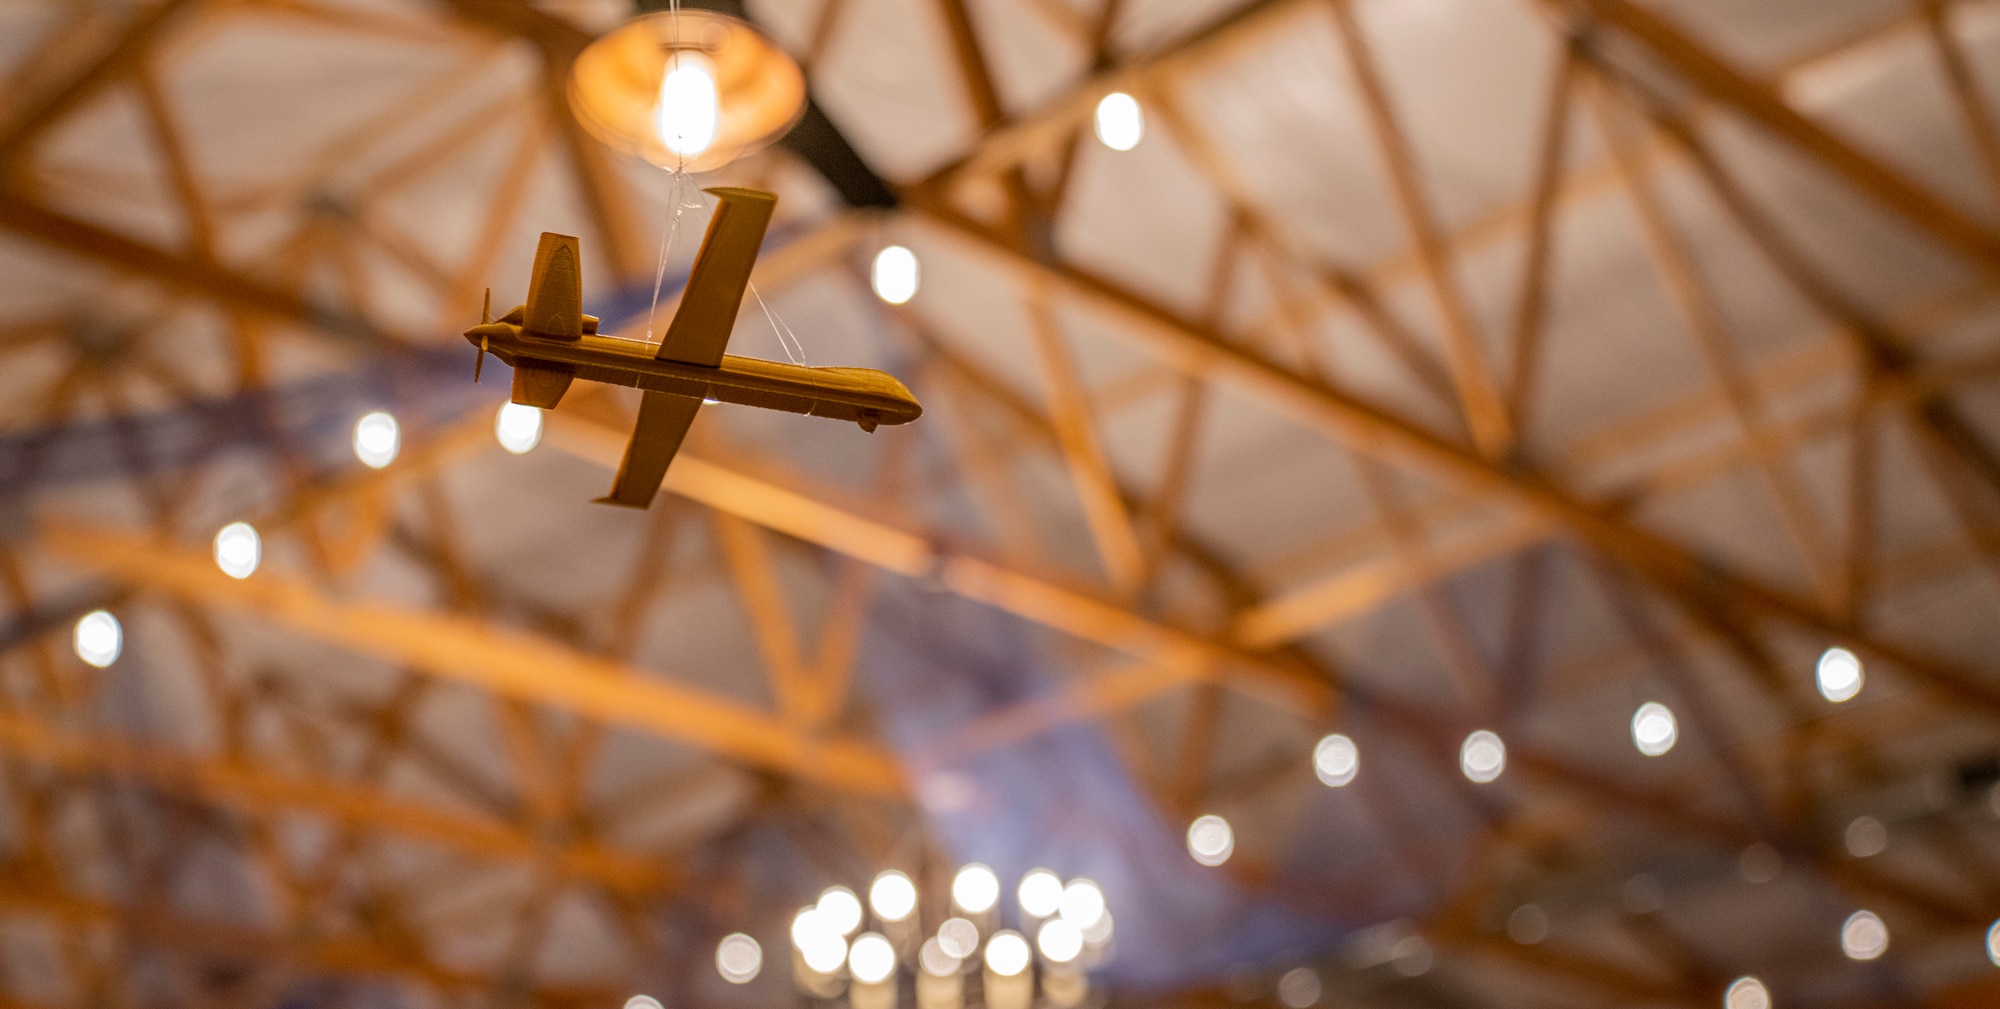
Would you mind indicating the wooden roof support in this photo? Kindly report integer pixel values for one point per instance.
(1733, 88)
(508, 663)
(1680, 573)
(221, 940)
(129, 50)
(254, 790)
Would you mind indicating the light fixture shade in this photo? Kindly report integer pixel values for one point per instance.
(614, 86)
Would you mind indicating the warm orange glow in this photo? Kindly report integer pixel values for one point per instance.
(616, 87)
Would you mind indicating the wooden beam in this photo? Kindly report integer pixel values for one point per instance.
(1756, 100)
(225, 940)
(256, 790)
(1679, 572)
(180, 272)
(1485, 411)
(509, 663)
(125, 52)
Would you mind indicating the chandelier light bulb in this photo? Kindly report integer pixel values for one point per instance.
(1007, 954)
(1336, 760)
(1098, 934)
(1864, 936)
(238, 550)
(975, 889)
(1059, 940)
(1040, 893)
(1746, 993)
(1482, 757)
(1121, 123)
(893, 896)
(377, 439)
(1082, 904)
(518, 427)
(1210, 840)
(958, 938)
(738, 958)
(98, 638)
(1839, 675)
(894, 274)
(1299, 988)
(935, 961)
(872, 959)
(1866, 837)
(820, 943)
(1654, 730)
(840, 910)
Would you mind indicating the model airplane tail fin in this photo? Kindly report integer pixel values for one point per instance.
(485, 316)
(555, 289)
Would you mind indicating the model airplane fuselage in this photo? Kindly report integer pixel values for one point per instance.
(549, 343)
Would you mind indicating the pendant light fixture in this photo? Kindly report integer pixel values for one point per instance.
(688, 89)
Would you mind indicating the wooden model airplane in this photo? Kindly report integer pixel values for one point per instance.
(549, 342)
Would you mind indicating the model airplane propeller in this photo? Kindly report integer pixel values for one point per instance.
(549, 342)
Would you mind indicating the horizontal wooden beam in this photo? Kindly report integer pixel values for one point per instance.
(509, 663)
(1733, 88)
(256, 790)
(1705, 586)
(224, 941)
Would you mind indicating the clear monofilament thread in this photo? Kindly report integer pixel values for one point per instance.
(793, 349)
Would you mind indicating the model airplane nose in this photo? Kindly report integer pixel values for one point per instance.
(487, 331)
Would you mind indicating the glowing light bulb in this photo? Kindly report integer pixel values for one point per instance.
(872, 959)
(1654, 730)
(238, 550)
(98, 638)
(1528, 925)
(1482, 757)
(1866, 837)
(1121, 123)
(840, 909)
(1336, 760)
(957, 938)
(1007, 954)
(377, 440)
(975, 889)
(892, 896)
(738, 958)
(1059, 940)
(643, 1002)
(1299, 988)
(1839, 675)
(1040, 893)
(518, 427)
(1082, 904)
(1993, 944)
(894, 275)
(1099, 933)
(821, 944)
(1746, 993)
(935, 961)
(686, 116)
(1864, 936)
(1210, 840)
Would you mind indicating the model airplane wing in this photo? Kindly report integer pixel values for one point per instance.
(700, 329)
(555, 290)
(698, 335)
(663, 422)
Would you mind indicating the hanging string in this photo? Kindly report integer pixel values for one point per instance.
(678, 196)
(794, 350)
